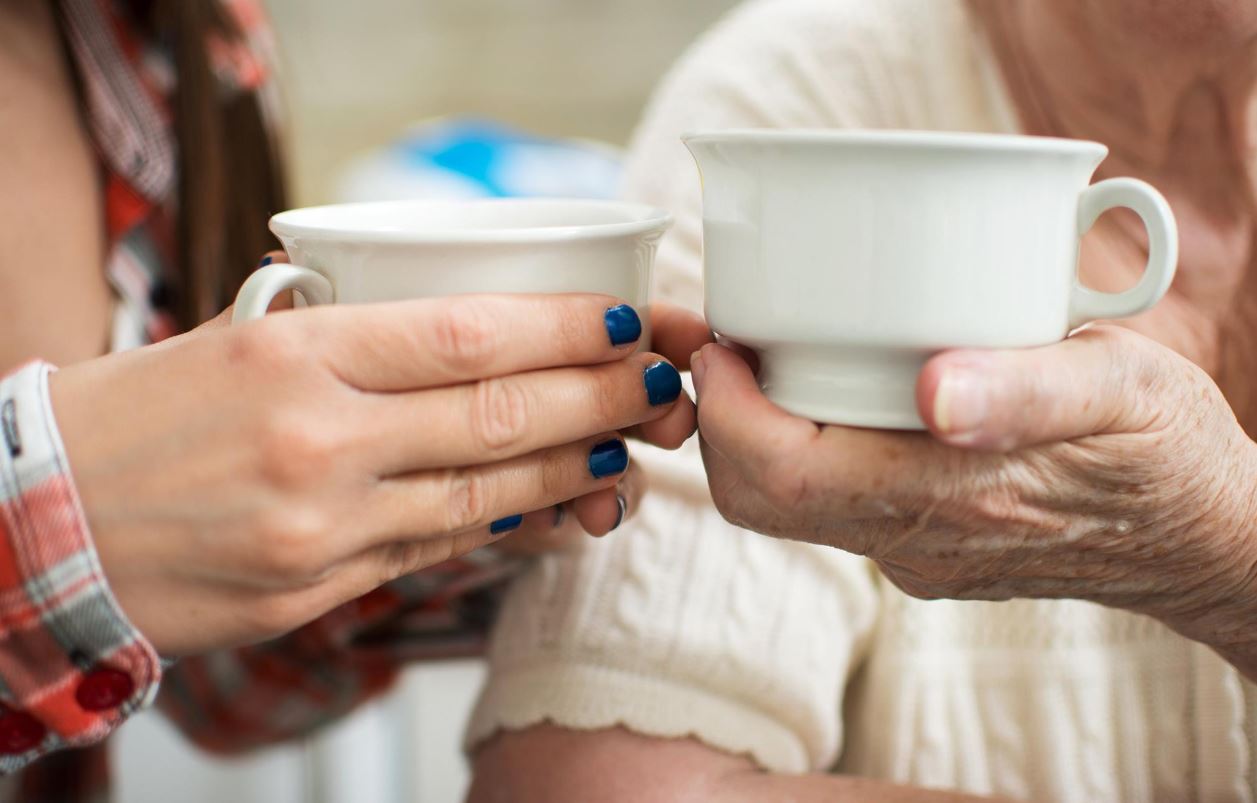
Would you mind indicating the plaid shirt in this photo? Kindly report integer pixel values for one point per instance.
(71, 666)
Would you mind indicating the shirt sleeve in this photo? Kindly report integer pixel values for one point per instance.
(72, 667)
(233, 701)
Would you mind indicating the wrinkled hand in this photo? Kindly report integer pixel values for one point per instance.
(1105, 468)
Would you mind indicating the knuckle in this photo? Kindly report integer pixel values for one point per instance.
(277, 613)
(406, 558)
(606, 392)
(571, 328)
(267, 345)
(1131, 355)
(401, 559)
(290, 547)
(467, 499)
(465, 336)
(783, 484)
(293, 451)
(499, 415)
(554, 475)
(993, 507)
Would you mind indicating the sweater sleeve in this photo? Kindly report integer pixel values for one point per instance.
(681, 624)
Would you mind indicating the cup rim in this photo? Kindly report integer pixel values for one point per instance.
(639, 219)
(898, 138)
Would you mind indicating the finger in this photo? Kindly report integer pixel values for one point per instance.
(542, 531)
(368, 570)
(737, 420)
(1097, 381)
(564, 525)
(676, 333)
(435, 342)
(671, 430)
(748, 355)
(794, 464)
(739, 501)
(435, 503)
(500, 418)
(604, 512)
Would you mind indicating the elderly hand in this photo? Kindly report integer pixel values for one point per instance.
(1105, 468)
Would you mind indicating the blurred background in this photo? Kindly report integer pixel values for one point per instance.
(389, 98)
(357, 74)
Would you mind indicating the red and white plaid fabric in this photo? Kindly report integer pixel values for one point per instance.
(71, 667)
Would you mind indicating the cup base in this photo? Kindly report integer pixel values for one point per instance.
(859, 387)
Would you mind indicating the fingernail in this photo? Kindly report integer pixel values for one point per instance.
(623, 503)
(506, 525)
(266, 260)
(608, 459)
(663, 384)
(697, 369)
(960, 405)
(560, 515)
(623, 325)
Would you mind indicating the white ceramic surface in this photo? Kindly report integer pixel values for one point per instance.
(359, 253)
(846, 259)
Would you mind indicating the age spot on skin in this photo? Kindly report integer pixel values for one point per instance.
(886, 509)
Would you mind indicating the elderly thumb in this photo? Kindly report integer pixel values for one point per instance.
(1091, 383)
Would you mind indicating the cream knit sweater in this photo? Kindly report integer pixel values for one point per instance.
(801, 656)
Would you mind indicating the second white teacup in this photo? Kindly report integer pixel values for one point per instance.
(388, 251)
(846, 259)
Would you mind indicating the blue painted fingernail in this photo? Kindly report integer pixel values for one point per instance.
(608, 459)
(506, 525)
(663, 384)
(560, 516)
(623, 503)
(623, 325)
(266, 260)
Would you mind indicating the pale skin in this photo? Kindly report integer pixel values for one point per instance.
(240, 481)
(1111, 467)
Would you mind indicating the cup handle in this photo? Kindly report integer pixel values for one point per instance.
(1087, 305)
(260, 289)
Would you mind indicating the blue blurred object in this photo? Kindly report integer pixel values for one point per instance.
(468, 158)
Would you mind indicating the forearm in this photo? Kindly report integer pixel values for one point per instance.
(751, 787)
(553, 765)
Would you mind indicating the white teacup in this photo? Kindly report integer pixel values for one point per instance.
(358, 253)
(846, 259)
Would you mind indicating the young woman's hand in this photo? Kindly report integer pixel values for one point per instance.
(240, 481)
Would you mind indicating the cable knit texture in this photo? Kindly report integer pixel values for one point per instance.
(799, 656)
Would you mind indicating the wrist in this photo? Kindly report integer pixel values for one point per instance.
(1222, 612)
(74, 668)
